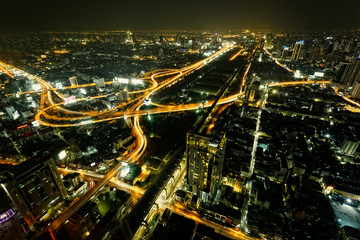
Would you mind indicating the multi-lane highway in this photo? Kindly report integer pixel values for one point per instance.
(45, 118)
(140, 139)
(137, 192)
(231, 233)
(133, 190)
(158, 80)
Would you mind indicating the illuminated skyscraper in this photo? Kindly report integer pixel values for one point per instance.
(205, 158)
(342, 72)
(349, 73)
(297, 50)
(33, 187)
(315, 54)
(355, 91)
(350, 146)
(284, 53)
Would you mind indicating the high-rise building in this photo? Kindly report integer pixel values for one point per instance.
(33, 186)
(315, 54)
(349, 73)
(205, 158)
(284, 53)
(342, 71)
(297, 50)
(355, 91)
(349, 146)
(73, 81)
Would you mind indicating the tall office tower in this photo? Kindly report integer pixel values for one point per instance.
(205, 158)
(342, 71)
(73, 81)
(284, 53)
(349, 73)
(315, 54)
(99, 82)
(349, 146)
(355, 91)
(33, 186)
(297, 49)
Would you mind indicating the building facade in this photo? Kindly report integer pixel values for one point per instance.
(297, 50)
(33, 187)
(205, 159)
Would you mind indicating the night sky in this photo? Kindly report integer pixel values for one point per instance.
(74, 15)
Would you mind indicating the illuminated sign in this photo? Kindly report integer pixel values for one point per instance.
(300, 42)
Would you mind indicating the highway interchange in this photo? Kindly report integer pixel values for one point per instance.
(131, 114)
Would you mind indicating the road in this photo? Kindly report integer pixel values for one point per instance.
(177, 76)
(133, 190)
(137, 192)
(355, 109)
(140, 141)
(225, 231)
(134, 124)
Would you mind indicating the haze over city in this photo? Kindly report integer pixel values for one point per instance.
(94, 15)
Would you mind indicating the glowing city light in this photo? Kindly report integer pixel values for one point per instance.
(62, 154)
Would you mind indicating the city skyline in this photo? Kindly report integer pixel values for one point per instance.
(113, 128)
(186, 15)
